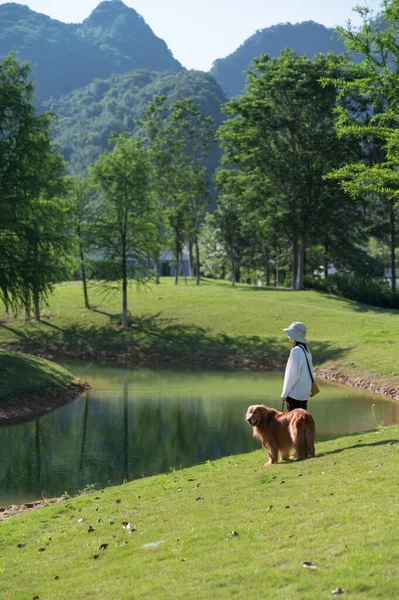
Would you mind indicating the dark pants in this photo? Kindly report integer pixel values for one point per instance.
(292, 403)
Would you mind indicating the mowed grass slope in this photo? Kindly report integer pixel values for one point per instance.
(23, 377)
(225, 529)
(217, 323)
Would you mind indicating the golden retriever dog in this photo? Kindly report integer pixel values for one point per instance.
(279, 431)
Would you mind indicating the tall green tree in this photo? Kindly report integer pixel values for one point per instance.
(376, 82)
(82, 217)
(163, 147)
(196, 132)
(283, 130)
(33, 244)
(179, 138)
(227, 219)
(213, 252)
(259, 211)
(45, 251)
(126, 225)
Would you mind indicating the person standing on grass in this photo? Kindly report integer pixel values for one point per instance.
(299, 370)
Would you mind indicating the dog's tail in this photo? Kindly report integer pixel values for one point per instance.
(303, 432)
(310, 434)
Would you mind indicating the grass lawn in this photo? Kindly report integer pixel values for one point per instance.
(215, 323)
(225, 529)
(25, 376)
(230, 528)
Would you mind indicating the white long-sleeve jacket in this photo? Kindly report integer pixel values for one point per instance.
(297, 380)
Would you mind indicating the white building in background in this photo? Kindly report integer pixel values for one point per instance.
(320, 271)
(388, 276)
(167, 264)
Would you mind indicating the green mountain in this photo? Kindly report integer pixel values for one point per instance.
(87, 116)
(121, 32)
(99, 75)
(307, 38)
(113, 39)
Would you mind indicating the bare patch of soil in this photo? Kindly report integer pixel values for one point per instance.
(19, 509)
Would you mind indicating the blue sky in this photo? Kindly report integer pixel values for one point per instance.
(200, 31)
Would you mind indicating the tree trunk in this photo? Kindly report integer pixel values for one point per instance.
(294, 262)
(197, 262)
(36, 305)
(326, 261)
(277, 282)
(157, 272)
(266, 263)
(35, 292)
(125, 320)
(233, 269)
(301, 264)
(184, 270)
(393, 244)
(191, 257)
(177, 266)
(27, 304)
(84, 278)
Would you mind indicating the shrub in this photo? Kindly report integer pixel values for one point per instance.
(375, 293)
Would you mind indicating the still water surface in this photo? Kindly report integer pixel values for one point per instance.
(137, 422)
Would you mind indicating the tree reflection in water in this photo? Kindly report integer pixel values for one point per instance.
(139, 422)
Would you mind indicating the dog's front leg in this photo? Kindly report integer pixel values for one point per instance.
(273, 455)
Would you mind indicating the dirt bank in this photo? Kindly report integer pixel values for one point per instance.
(19, 509)
(27, 408)
(362, 383)
(217, 359)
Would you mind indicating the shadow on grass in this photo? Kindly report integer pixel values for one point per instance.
(100, 312)
(352, 304)
(358, 306)
(157, 335)
(358, 445)
(16, 332)
(265, 289)
(247, 287)
(48, 324)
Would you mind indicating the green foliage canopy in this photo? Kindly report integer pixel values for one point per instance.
(281, 136)
(33, 239)
(126, 224)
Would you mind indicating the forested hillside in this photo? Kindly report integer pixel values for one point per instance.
(87, 117)
(307, 38)
(113, 39)
(278, 186)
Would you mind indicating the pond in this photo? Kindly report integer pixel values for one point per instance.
(136, 422)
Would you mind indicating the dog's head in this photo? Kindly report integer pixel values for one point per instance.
(255, 414)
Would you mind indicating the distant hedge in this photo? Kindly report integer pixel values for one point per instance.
(375, 293)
